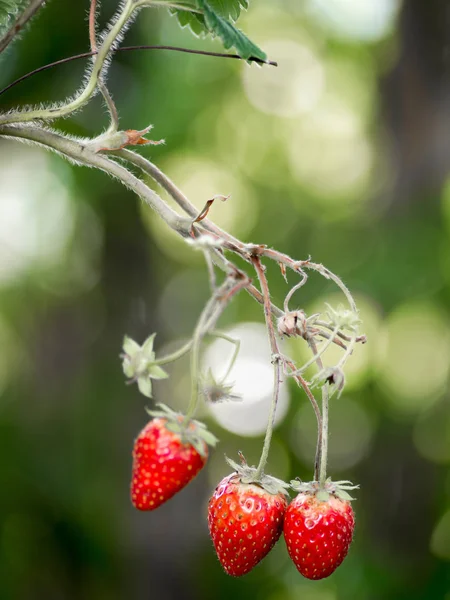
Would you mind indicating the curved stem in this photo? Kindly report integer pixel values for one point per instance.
(165, 360)
(176, 194)
(54, 113)
(83, 155)
(114, 125)
(292, 291)
(206, 322)
(237, 345)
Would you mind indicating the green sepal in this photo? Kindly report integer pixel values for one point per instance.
(145, 386)
(197, 436)
(248, 475)
(322, 493)
(130, 347)
(343, 495)
(147, 347)
(156, 372)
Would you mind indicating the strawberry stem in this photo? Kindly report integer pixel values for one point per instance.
(271, 420)
(260, 270)
(237, 345)
(324, 439)
(164, 360)
(321, 427)
(210, 314)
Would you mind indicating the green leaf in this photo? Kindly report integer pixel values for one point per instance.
(231, 36)
(145, 386)
(229, 9)
(193, 20)
(9, 10)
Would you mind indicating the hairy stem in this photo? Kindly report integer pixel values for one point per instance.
(114, 125)
(20, 23)
(81, 154)
(49, 114)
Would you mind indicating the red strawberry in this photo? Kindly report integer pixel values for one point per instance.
(245, 520)
(318, 530)
(166, 458)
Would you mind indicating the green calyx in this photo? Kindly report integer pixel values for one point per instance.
(330, 488)
(249, 475)
(193, 432)
(139, 364)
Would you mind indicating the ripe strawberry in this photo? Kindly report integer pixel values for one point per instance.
(166, 458)
(245, 519)
(318, 529)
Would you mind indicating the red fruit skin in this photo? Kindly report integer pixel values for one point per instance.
(162, 465)
(318, 534)
(245, 521)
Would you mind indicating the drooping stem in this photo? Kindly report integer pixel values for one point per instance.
(206, 322)
(81, 154)
(103, 52)
(237, 345)
(260, 270)
(165, 360)
(130, 49)
(114, 125)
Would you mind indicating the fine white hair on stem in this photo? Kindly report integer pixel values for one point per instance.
(110, 38)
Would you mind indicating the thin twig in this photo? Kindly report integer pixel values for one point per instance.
(128, 49)
(260, 270)
(302, 382)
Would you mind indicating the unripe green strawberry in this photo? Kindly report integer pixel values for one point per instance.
(245, 521)
(318, 533)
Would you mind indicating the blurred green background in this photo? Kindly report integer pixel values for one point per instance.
(341, 153)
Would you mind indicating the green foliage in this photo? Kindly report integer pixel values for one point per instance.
(231, 36)
(217, 18)
(9, 9)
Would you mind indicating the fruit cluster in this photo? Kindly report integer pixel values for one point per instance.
(248, 511)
